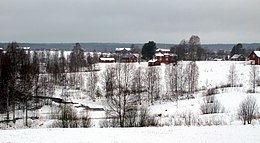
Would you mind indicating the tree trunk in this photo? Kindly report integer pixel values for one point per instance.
(13, 108)
(26, 113)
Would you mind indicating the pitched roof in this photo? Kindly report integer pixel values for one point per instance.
(235, 56)
(159, 55)
(121, 49)
(257, 53)
(163, 50)
(152, 60)
(107, 59)
(128, 55)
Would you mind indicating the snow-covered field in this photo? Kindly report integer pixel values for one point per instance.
(212, 134)
(211, 74)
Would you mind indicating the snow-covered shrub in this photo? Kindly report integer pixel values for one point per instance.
(247, 110)
(211, 91)
(152, 121)
(109, 123)
(212, 121)
(143, 116)
(186, 118)
(131, 119)
(68, 117)
(211, 105)
(85, 119)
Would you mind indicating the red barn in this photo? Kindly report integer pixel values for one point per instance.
(166, 58)
(254, 58)
(128, 58)
(122, 50)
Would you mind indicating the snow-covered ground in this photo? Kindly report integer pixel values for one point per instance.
(212, 134)
(211, 74)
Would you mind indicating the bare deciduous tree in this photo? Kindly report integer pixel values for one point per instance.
(233, 76)
(248, 109)
(122, 104)
(253, 77)
(137, 84)
(192, 76)
(153, 83)
(92, 84)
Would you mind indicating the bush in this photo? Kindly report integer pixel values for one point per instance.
(131, 119)
(68, 117)
(143, 117)
(151, 121)
(211, 91)
(211, 105)
(247, 110)
(85, 119)
(108, 123)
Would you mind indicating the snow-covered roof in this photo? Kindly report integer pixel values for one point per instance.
(257, 53)
(24, 48)
(159, 55)
(174, 55)
(107, 59)
(235, 56)
(152, 60)
(163, 50)
(121, 49)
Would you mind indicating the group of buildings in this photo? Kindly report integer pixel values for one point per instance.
(253, 57)
(125, 55)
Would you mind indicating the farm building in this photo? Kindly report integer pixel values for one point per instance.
(165, 56)
(154, 62)
(122, 50)
(238, 57)
(106, 60)
(128, 58)
(254, 58)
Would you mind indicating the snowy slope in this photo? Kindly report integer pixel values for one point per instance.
(211, 74)
(212, 134)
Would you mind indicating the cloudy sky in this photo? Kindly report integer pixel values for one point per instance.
(164, 21)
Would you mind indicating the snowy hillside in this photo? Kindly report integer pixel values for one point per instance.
(176, 115)
(212, 134)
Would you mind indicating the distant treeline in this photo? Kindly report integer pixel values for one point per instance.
(110, 47)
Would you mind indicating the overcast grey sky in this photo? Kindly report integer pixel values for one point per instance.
(164, 21)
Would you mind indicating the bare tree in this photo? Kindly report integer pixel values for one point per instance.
(77, 58)
(109, 81)
(192, 76)
(171, 78)
(182, 81)
(153, 83)
(253, 77)
(18, 73)
(121, 103)
(92, 84)
(137, 84)
(248, 109)
(233, 76)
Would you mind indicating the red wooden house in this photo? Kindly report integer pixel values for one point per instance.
(166, 58)
(254, 58)
(122, 50)
(128, 58)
